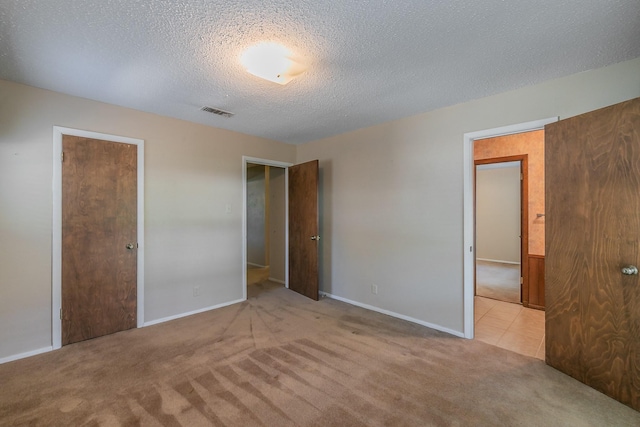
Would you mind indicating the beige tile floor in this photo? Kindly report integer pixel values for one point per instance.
(510, 326)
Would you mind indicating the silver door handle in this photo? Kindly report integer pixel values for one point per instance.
(630, 270)
(315, 237)
(129, 245)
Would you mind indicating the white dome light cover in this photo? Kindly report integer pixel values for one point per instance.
(271, 61)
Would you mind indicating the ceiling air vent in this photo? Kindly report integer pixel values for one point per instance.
(216, 111)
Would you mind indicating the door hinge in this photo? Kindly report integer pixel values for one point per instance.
(470, 248)
(521, 176)
(521, 280)
(62, 156)
(61, 313)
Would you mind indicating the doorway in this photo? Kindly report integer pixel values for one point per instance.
(265, 224)
(470, 139)
(265, 252)
(135, 246)
(501, 227)
(503, 243)
(301, 219)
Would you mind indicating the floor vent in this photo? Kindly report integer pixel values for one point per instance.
(217, 111)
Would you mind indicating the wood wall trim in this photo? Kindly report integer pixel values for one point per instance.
(503, 159)
(536, 290)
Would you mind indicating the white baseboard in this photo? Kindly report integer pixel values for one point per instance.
(497, 260)
(202, 310)
(257, 265)
(153, 322)
(26, 354)
(396, 315)
(282, 282)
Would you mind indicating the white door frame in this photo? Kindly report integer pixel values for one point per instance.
(468, 209)
(56, 248)
(245, 161)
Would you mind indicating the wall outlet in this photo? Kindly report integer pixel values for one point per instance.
(196, 291)
(374, 289)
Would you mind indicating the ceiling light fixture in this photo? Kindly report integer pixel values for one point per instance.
(271, 61)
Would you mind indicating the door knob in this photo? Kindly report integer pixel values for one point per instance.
(129, 245)
(315, 237)
(630, 270)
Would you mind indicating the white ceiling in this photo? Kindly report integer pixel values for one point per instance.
(369, 61)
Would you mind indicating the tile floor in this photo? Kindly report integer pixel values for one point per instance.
(510, 326)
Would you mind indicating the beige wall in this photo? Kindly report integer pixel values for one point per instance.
(498, 214)
(392, 201)
(191, 173)
(532, 144)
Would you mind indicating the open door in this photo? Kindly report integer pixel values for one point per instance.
(592, 244)
(303, 229)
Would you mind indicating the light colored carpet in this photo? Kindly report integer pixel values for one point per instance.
(498, 281)
(280, 359)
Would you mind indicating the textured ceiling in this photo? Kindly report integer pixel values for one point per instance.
(368, 61)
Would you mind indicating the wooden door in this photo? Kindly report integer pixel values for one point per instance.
(593, 229)
(303, 229)
(99, 210)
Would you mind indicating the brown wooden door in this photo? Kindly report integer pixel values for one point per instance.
(303, 229)
(593, 229)
(99, 209)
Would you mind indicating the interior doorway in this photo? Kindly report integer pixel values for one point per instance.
(265, 252)
(516, 327)
(503, 239)
(301, 225)
(132, 245)
(501, 227)
(265, 224)
(99, 238)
